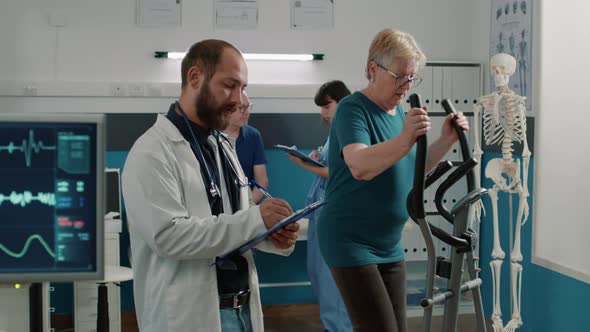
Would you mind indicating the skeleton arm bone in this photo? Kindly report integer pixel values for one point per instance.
(477, 151)
(526, 156)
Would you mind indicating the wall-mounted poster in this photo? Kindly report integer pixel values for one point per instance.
(159, 13)
(511, 32)
(236, 14)
(312, 14)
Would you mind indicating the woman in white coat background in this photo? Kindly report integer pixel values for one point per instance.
(186, 200)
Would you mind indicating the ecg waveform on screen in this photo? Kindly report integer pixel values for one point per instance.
(26, 247)
(27, 147)
(26, 197)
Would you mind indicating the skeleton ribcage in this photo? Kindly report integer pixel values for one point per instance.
(506, 122)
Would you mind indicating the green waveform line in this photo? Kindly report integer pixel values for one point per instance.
(26, 247)
(27, 197)
(27, 147)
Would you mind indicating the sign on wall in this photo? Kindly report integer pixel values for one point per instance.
(511, 33)
(312, 14)
(159, 13)
(236, 14)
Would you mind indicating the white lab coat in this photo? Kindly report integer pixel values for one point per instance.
(175, 239)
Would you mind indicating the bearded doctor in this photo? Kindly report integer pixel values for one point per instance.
(187, 202)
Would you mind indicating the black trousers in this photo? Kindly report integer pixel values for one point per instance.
(374, 295)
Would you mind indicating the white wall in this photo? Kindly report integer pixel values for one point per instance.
(102, 43)
(561, 227)
(480, 38)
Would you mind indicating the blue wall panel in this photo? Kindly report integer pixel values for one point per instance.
(290, 182)
(287, 181)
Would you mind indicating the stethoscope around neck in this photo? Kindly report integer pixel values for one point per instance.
(213, 188)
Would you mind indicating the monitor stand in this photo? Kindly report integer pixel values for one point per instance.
(25, 308)
(36, 310)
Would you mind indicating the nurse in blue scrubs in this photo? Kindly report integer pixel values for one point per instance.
(332, 310)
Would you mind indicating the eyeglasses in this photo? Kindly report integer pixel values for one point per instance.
(401, 81)
(244, 108)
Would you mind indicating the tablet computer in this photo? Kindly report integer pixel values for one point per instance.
(293, 151)
(224, 260)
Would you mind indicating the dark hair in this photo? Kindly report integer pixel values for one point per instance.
(333, 89)
(205, 54)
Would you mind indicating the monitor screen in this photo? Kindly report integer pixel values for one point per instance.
(51, 197)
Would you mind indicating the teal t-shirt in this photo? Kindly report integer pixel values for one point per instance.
(362, 221)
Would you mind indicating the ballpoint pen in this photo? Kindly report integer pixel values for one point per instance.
(261, 188)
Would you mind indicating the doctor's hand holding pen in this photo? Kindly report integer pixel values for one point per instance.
(273, 210)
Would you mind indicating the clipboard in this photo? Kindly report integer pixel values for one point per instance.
(224, 261)
(293, 151)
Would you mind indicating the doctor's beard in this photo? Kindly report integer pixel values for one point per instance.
(214, 115)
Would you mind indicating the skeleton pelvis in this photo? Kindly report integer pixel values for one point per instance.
(503, 171)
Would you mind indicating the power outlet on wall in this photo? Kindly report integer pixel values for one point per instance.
(136, 90)
(30, 89)
(118, 89)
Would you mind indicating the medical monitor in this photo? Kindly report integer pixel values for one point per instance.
(51, 197)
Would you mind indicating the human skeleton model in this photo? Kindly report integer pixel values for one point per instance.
(503, 114)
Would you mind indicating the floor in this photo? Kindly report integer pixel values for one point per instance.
(305, 318)
(282, 318)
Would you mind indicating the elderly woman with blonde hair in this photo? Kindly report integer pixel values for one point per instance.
(372, 156)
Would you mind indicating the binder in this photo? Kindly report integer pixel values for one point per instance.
(224, 261)
(292, 150)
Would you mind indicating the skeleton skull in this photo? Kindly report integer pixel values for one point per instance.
(502, 66)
